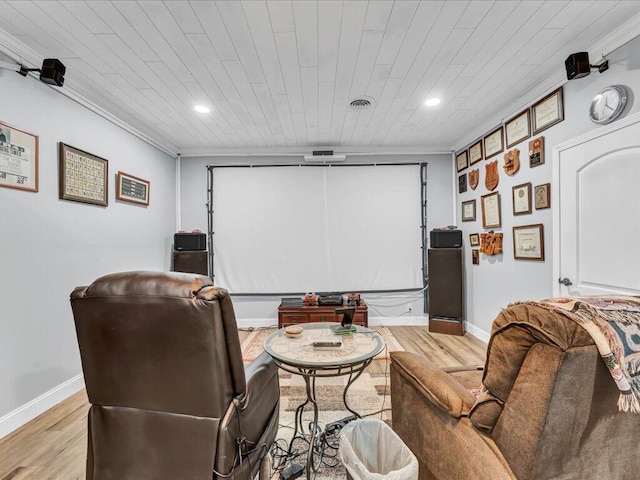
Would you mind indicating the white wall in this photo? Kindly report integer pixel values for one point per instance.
(500, 280)
(388, 309)
(48, 246)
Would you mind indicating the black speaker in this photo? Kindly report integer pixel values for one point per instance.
(190, 262)
(52, 72)
(189, 241)
(577, 65)
(446, 289)
(446, 238)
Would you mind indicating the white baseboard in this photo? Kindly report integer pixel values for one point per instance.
(478, 332)
(21, 415)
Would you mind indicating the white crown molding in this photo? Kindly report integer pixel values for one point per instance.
(301, 151)
(24, 55)
(607, 45)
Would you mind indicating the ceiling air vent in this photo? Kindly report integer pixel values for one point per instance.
(360, 103)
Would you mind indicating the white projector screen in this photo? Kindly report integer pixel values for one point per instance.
(314, 229)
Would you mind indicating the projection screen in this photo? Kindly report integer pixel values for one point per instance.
(316, 228)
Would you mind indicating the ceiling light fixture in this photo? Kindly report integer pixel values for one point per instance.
(201, 109)
(432, 102)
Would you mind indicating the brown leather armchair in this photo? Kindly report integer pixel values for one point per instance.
(549, 410)
(170, 396)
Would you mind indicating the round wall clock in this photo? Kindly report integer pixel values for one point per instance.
(608, 104)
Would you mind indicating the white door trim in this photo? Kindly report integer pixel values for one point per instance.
(555, 184)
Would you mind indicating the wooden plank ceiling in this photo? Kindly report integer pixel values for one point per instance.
(279, 75)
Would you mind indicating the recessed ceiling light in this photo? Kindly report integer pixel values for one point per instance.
(432, 102)
(201, 109)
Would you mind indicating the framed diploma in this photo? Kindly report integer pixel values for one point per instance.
(491, 217)
(494, 143)
(18, 158)
(528, 242)
(83, 176)
(469, 211)
(543, 196)
(475, 152)
(521, 199)
(517, 129)
(132, 189)
(548, 111)
(462, 161)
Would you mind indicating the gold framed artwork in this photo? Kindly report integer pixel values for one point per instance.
(83, 176)
(494, 142)
(18, 158)
(517, 129)
(521, 195)
(548, 111)
(528, 242)
(542, 195)
(469, 211)
(475, 152)
(462, 161)
(132, 189)
(474, 239)
(491, 216)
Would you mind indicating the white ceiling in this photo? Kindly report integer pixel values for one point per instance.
(279, 75)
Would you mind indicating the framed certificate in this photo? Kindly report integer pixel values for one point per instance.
(494, 143)
(491, 217)
(83, 176)
(475, 152)
(521, 199)
(528, 242)
(18, 158)
(543, 196)
(462, 161)
(132, 189)
(517, 129)
(548, 111)
(469, 211)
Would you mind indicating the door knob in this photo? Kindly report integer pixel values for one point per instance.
(565, 281)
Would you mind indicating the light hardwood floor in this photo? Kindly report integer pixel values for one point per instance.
(53, 445)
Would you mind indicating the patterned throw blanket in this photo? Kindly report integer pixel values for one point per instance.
(614, 324)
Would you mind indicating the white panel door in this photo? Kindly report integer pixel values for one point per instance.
(599, 222)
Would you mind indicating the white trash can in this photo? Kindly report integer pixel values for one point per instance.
(371, 450)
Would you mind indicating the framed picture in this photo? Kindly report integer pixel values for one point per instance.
(18, 158)
(469, 211)
(83, 176)
(494, 143)
(474, 239)
(475, 256)
(475, 152)
(536, 152)
(528, 242)
(462, 183)
(548, 111)
(132, 189)
(521, 199)
(542, 195)
(491, 217)
(462, 161)
(517, 129)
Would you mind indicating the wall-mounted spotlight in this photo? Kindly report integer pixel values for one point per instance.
(52, 71)
(578, 66)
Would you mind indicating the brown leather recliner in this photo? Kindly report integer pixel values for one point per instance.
(549, 410)
(171, 398)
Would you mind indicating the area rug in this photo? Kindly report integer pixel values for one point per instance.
(369, 396)
(252, 345)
